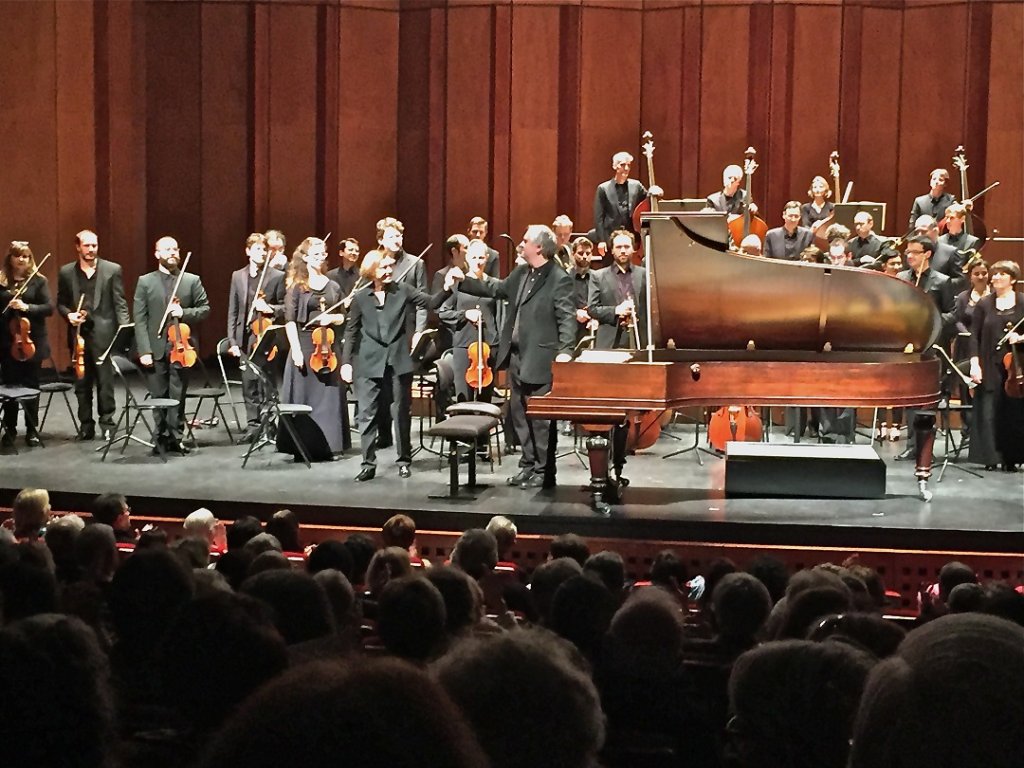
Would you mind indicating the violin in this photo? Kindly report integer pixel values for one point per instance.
(323, 359)
(78, 349)
(182, 353)
(479, 373)
(747, 224)
(649, 203)
(734, 422)
(260, 326)
(1013, 362)
(23, 348)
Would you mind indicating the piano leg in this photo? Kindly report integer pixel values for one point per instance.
(603, 493)
(924, 428)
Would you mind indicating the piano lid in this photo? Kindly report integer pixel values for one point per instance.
(705, 297)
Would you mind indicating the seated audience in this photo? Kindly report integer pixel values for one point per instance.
(581, 611)
(569, 545)
(112, 509)
(30, 512)
(299, 604)
(284, 525)
(546, 580)
(411, 619)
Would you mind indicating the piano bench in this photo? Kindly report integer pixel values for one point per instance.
(465, 428)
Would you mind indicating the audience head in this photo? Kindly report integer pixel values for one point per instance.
(411, 618)
(331, 554)
(793, 704)
(771, 572)
(60, 537)
(740, 605)
(562, 727)
(475, 552)
(952, 574)
(952, 695)
(376, 712)
(966, 598)
(569, 545)
(546, 580)
(399, 531)
(878, 636)
(462, 598)
(581, 612)
(808, 607)
(271, 560)
(112, 509)
(194, 551)
(234, 564)
(147, 590)
(284, 525)
(299, 604)
(361, 548)
(30, 512)
(341, 596)
(646, 633)
(504, 532)
(609, 568)
(200, 524)
(669, 571)
(263, 542)
(27, 586)
(241, 530)
(388, 563)
(96, 553)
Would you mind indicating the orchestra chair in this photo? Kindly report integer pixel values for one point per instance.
(52, 382)
(208, 391)
(135, 410)
(222, 352)
(493, 410)
(12, 393)
(274, 414)
(464, 428)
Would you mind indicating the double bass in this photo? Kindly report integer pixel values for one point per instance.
(650, 203)
(741, 225)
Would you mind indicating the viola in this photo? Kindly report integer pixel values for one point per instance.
(479, 373)
(78, 348)
(741, 225)
(1013, 362)
(734, 422)
(183, 354)
(323, 359)
(23, 348)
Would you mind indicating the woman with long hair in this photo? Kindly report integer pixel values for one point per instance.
(33, 305)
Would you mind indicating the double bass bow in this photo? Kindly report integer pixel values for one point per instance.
(182, 353)
(747, 223)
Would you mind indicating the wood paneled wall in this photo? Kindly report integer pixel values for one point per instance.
(207, 119)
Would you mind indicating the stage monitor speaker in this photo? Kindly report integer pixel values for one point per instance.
(803, 469)
(846, 211)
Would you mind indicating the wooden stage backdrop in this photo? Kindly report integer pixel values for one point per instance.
(212, 118)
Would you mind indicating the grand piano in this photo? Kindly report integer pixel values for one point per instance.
(731, 329)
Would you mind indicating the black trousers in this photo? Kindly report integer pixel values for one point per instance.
(100, 378)
(21, 374)
(375, 395)
(166, 380)
(538, 437)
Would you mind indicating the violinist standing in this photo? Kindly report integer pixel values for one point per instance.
(152, 294)
(997, 434)
(378, 353)
(934, 203)
(245, 307)
(33, 304)
(347, 273)
(99, 285)
(463, 314)
(311, 295)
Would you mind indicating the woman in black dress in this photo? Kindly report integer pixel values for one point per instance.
(309, 294)
(998, 431)
(820, 207)
(35, 305)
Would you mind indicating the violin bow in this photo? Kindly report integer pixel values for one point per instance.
(17, 294)
(174, 293)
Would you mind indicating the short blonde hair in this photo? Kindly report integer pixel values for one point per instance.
(30, 511)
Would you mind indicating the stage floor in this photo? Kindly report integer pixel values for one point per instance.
(674, 498)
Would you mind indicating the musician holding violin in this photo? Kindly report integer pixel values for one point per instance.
(997, 366)
(169, 303)
(255, 302)
(377, 354)
(90, 296)
(313, 315)
(25, 303)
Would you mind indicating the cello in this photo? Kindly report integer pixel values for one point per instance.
(734, 422)
(182, 353)
(649, 203)
(741, 225)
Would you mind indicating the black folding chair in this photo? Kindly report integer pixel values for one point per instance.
(209, 390)
(53, 382)
(12, 393)
(135, 410)
(273, 415)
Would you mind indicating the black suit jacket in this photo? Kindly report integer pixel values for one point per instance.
(413, 273)
(607, 214)
(345, 278)
(109, 306)
(547, 318)
(925, 204)
(775, 242)
(453, 314)
(602, 302)
(719, 202)
(948, 261)
(376, 336)
(40, 307)
(150, 303)
(238, 301)
(940, 288)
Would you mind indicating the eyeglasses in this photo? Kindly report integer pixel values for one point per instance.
(913, 253)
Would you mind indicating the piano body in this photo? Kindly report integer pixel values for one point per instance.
(730, 329)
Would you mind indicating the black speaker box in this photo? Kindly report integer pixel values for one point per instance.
(803, 469)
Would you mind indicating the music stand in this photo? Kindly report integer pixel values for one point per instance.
(421, 343)
(273, 336)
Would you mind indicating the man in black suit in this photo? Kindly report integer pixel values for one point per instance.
(256, 291)
(455, 248)
(539, 329)
(478, 231)
(933, 204)
(962, 243)
(731, 199)
(786, 242)
(616, 198)
(582, 275)
(346, 275)
(945, 258)
(152, 295)
(618, 297)
(562, 227)
(918, 255)
(866, 246)
(377, 354)
(99, 285)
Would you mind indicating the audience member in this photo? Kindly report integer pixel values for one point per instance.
(878, 636)
(609, 568)
(60, 537)
(362, 548)
(411, 619)
(386, 564)
(112, 509)
(810, 606)
(193, 551)
(263, 542)
(505, 533)
(475, 552)
(299, 604)
(771, 572)
(463, 599)
(284, 525)
(202, 523)
(270, 560)
(581, 611)
(546, 580)
(241, 530)
(30, 512)
(569, 545)
(331, 555)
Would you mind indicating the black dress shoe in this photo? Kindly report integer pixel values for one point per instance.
(366, 473)
(32, 440)
(519, 477)
(404, 472)
(86, 433)
(176, 446)
(908, 455)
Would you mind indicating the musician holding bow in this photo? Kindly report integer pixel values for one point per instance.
(90, 296)
(157, 307)
(24, 296)
(256, 292)
(615, 200)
